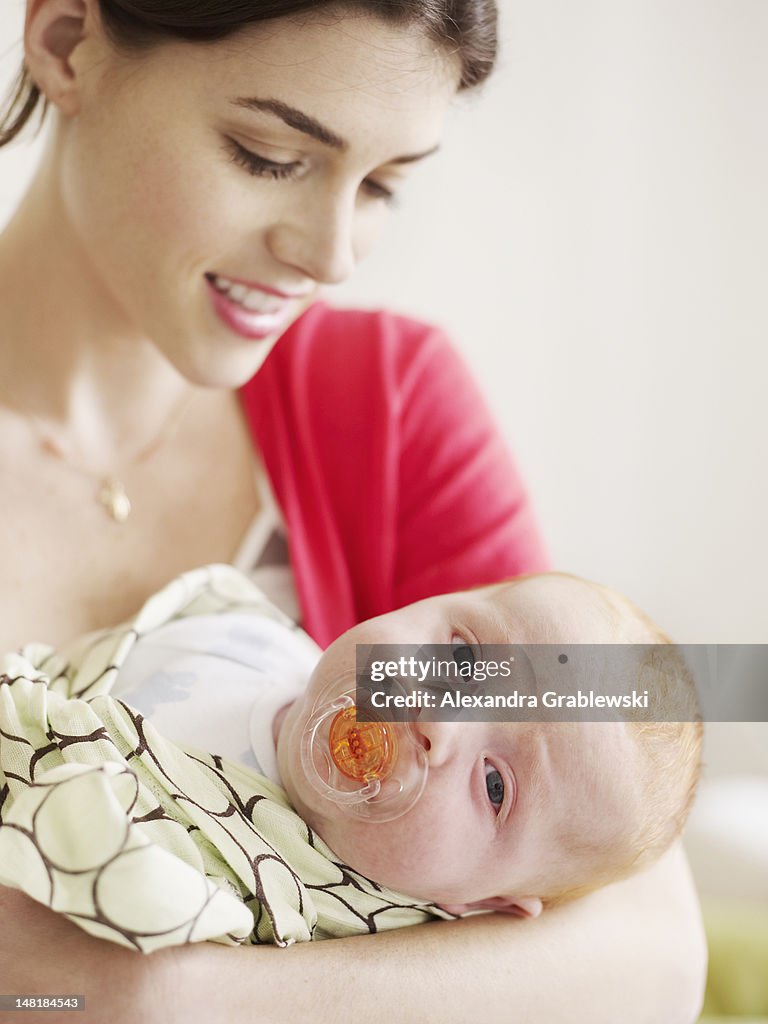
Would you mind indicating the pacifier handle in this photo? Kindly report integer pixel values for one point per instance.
(362, 751)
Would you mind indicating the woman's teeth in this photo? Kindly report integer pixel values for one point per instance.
(251, 299)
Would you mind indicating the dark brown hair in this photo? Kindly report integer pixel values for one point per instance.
(467, 28)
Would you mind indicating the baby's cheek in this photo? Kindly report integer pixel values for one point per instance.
(410, 853)
(375, 851)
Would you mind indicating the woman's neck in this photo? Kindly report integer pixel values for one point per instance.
(68, 355)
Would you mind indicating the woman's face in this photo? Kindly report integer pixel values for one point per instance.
(211, 189)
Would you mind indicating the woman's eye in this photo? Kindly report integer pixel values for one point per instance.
(377, 191)
(259, 165)
(463, 655)
(494, 784)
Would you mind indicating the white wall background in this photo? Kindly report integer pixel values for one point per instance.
(595, 238)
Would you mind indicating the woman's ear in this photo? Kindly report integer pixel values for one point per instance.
(521, 906)
(52, 32)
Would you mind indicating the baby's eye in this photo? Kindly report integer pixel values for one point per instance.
(494, 784)
(463, 654)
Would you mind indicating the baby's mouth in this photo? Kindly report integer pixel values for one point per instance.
(362, 751)
(372, 769)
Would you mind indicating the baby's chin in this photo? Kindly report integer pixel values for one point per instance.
(303, 798)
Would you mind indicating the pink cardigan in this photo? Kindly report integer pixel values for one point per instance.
(390, 474)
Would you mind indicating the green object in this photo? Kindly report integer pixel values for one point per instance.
(737, 982)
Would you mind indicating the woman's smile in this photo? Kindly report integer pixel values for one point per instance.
(251, 311)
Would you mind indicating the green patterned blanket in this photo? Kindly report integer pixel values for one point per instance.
(147, 844)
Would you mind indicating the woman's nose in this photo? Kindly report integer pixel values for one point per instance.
(317, 240)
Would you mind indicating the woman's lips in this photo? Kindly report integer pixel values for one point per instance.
(224, 281)
(272, 313)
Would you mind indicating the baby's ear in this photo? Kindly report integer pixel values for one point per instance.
(520, 906)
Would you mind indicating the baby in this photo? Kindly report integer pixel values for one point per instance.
(514, 816)
(552, 810)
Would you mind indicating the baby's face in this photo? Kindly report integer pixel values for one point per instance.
(510, 811)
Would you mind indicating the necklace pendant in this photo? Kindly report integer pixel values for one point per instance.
(114, 499)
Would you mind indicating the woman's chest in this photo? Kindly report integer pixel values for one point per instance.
(68, 567)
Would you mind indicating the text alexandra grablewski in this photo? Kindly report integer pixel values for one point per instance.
(549, 699)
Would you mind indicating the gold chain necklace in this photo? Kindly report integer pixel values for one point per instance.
(111, 492)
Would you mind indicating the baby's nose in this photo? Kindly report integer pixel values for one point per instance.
(437, 738)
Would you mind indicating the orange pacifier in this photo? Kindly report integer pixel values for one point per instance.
(376, 770)
(361, 750)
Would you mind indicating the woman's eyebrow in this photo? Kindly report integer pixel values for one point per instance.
(302, 122)
(295, 119)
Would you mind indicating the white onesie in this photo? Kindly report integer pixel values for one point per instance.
(216, 682)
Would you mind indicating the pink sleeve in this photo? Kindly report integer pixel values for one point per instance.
(464, 517)
(392, 478)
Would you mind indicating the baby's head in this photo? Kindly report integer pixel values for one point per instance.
(515, 816)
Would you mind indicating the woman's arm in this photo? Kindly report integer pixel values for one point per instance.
(633, 953)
